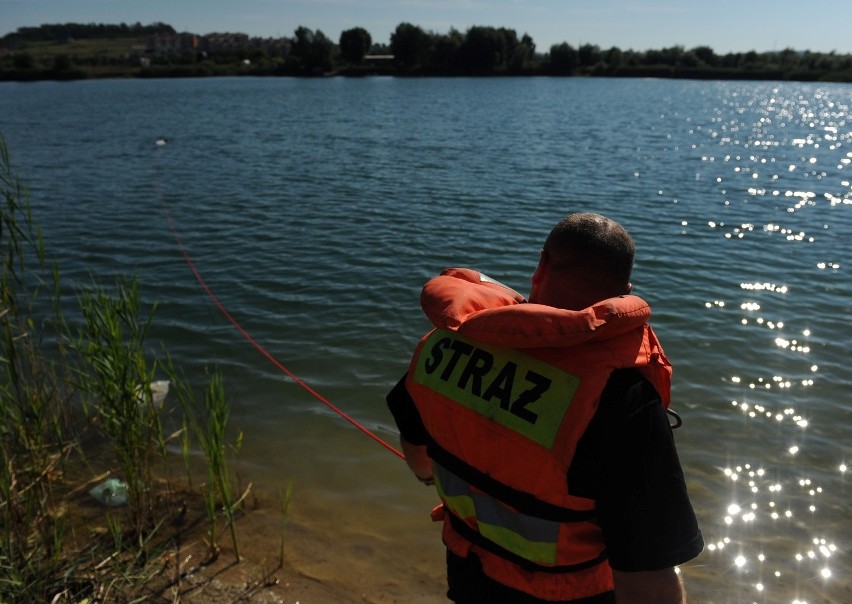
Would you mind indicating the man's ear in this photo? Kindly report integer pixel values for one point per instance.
(629, 288)
(539, 270)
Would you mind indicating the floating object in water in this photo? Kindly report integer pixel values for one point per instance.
(160, 142)
(112, 493)
(159, 390)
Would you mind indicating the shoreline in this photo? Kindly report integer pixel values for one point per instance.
(204, 71)
(323, 563)
(340, 561)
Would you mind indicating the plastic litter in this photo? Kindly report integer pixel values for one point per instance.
(159, 390)
(112, 493)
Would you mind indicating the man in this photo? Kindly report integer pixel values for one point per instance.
(543, 426)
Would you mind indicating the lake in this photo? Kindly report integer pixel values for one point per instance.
(314, 210)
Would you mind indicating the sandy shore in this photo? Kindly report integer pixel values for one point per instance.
(332, 558)
(345, 566)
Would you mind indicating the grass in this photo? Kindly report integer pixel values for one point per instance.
(81, 410)
(86, 50)
(33, 435)
(114, 376)
(208, 423)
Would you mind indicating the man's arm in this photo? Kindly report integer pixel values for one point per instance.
(649, 587)
(412, 434)
(419, 461)
(627, 462)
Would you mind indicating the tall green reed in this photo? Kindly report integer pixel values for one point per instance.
(98, 372)
(208, 421)
(35, 429)
(114, 378)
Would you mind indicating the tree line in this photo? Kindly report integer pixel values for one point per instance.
(413, 51)
(69, 31)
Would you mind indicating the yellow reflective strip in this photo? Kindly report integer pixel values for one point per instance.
(535, 551)
(463, 505)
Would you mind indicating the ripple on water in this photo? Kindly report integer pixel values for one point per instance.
(315, 209)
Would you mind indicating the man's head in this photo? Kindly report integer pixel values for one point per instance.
(586, 258)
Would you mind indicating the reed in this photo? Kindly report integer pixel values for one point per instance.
(208, 422)
(114, 379)
(34, 426)
(286, 498)
(66, 390)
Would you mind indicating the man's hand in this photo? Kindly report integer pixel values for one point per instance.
(419, 461)
(649, 587)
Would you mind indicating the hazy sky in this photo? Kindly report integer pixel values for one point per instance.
(724, 25)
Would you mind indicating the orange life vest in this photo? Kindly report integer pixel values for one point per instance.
(506, 389)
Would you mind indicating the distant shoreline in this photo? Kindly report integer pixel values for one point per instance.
(74, 51)
(190, 71)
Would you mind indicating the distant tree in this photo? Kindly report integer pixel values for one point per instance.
(312, 49)
(588, 55)
(750, 58)
(788, 58)
(818, 61)
(672, 56)
(689, 60)
(257, 55)
(482, 50)
(65, 31)
(379, 49)
(444, 51)
(563, 59)
(529, 43)
(508, 45)
(523, 54)
(652, 57)
(631, 58)
(706, 55)
(409, 44)
(354, 44)
(486, 49)
(731, 60)
(613, 58)
(303, 37)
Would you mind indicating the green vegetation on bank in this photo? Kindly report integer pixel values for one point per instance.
(91, 506)
(75, 51)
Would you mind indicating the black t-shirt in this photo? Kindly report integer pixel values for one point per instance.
(627, 462)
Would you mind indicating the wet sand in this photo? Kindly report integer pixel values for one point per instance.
(342, 551)
(347, 565)
(320, 566)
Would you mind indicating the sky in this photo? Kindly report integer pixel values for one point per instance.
(723, 25)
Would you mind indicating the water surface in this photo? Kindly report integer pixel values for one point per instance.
(315, 209)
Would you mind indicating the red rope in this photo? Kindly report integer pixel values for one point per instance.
(254, 342)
